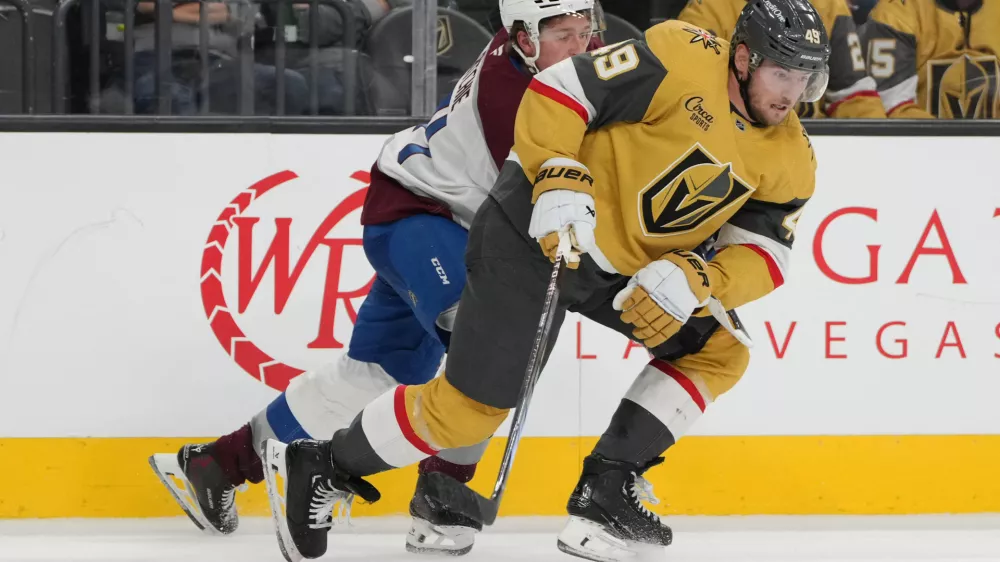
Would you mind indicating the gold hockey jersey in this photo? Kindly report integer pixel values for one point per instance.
(850, 94)
(647, 128)
(932, 62)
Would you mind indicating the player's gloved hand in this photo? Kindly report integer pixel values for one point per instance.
(660, 298)
(564, 211)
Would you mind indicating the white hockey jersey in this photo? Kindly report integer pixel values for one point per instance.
(455, 158)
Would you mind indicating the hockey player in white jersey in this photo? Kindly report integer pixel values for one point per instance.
(425, 189)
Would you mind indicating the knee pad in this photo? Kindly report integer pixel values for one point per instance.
(409, 366)
(447, 419)
(318, 403)
(720, 381)
(718, 365)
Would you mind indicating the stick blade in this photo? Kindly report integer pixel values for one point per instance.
(458, 497)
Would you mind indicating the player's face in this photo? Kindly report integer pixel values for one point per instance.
(774, 90)
(562, 38)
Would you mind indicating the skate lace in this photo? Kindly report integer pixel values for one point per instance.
(327, 498)
(229, 496)
(642, 491)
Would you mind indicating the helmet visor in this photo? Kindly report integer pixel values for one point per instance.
(571, 26)
(796, 84)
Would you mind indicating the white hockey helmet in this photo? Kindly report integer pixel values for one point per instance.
(531, 13)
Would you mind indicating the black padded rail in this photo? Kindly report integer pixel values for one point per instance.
(205, 124)
(902, 128)
(386, 125)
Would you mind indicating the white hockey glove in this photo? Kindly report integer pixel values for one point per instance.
(563, 211)
(660, 298)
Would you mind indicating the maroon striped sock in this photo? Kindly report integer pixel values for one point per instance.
(461, 472)
(236, 455)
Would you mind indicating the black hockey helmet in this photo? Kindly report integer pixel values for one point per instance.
(789, 33)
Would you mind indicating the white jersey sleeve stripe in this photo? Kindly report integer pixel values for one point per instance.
(731, 235)
(866, 84)
(562, 78)
(900, 93)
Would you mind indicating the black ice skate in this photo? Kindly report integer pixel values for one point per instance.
(199, 486)
(608, 521)
(435, 528)
(304, 488)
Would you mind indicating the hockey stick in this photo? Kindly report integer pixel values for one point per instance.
(458, 496)
(730, 321)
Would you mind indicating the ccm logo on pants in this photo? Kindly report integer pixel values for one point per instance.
(440, 271)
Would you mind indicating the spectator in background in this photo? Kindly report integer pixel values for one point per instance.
(850, 94)
(936, 58)
(860, 9)
(227, 22)
(332, 48)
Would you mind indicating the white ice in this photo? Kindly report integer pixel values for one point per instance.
(697, 539)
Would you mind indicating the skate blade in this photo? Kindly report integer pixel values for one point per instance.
(276, 478)
(173, 478)
(589, 540)
(439, 540)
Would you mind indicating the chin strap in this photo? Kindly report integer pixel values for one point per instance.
(529, 62)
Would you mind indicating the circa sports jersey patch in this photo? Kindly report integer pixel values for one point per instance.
(699, 115)
(707, 40)
(689, 192)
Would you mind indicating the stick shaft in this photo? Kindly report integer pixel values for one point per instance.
(531, 375)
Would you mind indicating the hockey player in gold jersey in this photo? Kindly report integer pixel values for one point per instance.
(851, 93)
(936, 58)
(676, 169)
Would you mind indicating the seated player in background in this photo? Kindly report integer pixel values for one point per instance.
(426, 186)
(641, 154)
(851, 93)
(936, 58)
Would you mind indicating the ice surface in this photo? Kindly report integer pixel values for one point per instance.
(697, 539)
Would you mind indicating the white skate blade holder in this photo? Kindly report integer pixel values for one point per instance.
(169, 472)
(428, 539)
(591, 541)
(276, 477)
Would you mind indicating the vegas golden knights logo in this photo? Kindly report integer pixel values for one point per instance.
(963, 88)
(444, 36)
(688, 193)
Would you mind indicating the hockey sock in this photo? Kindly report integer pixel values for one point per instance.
(658, 409)
(461, 472)
(634, 435)
(238, 458)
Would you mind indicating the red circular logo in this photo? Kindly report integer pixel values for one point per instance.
(234, 219)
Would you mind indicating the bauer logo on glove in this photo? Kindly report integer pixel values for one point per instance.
(564, 213)
(696, 263)
(660, 298)
(565, 173)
